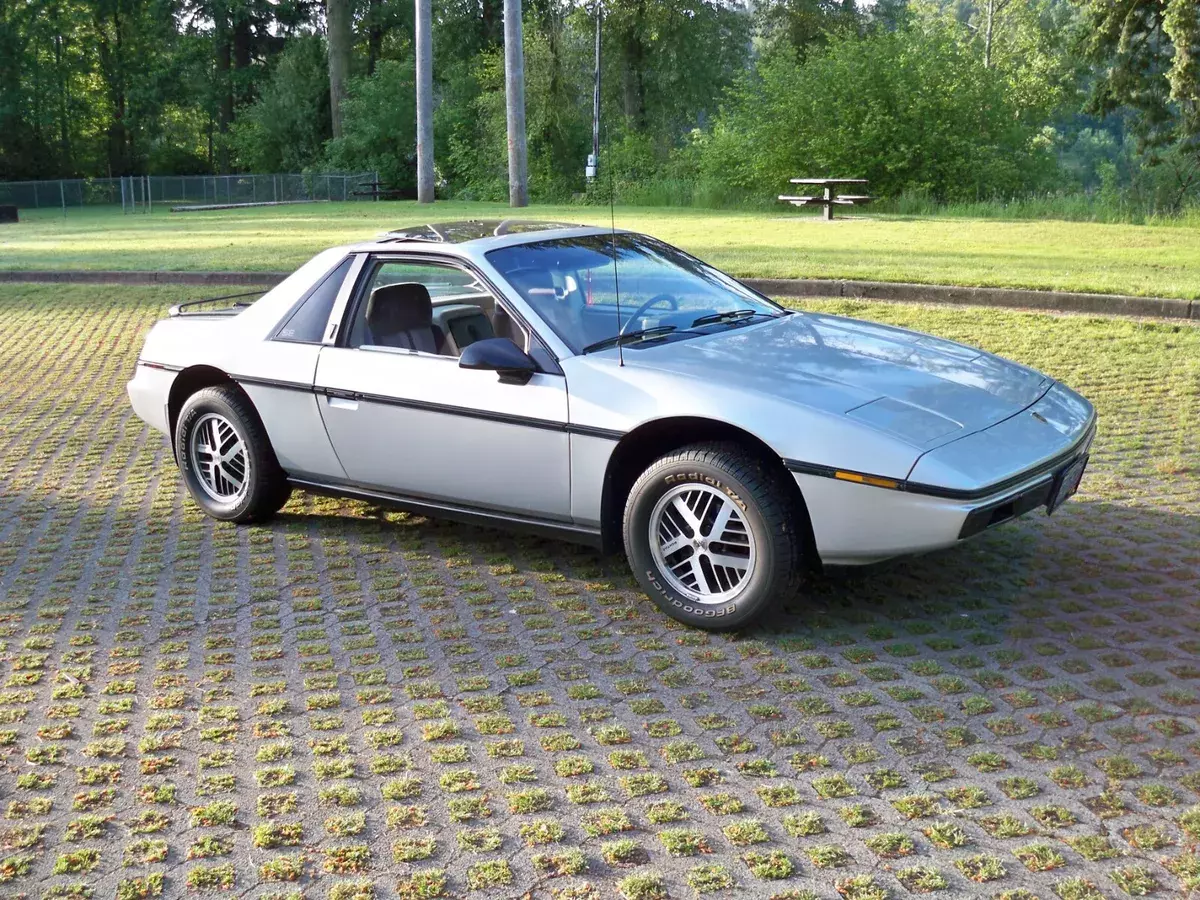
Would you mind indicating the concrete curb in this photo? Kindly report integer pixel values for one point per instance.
(269, 279)
(1055, 301)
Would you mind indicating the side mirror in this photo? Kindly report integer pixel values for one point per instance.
(501, 355)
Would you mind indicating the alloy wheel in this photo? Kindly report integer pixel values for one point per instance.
(219, 458)
(701, 542)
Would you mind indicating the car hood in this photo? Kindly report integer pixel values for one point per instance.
(922, 389)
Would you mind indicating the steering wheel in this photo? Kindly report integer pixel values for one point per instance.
(657, 298)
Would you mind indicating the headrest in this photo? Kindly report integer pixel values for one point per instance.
(531, 281)
(399, 307)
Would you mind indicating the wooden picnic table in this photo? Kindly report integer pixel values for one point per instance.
(830, 198)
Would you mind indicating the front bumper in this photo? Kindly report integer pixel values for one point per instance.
(856, 524)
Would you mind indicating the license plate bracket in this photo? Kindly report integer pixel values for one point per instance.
(1066, 483)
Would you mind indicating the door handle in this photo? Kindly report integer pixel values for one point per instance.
(341, 399)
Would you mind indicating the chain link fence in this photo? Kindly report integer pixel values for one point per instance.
(141, 193)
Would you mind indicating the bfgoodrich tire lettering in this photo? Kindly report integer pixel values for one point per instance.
(226, 458)
(745, 546)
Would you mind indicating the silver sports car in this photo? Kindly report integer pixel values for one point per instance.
(608, 388)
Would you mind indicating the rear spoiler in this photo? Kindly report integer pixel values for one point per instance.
(182, 309)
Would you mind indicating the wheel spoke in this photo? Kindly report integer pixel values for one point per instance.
(721, 521)
(697, 571)
(738, 563)
(689, 517)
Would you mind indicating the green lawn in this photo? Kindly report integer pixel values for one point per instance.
(1129, 259)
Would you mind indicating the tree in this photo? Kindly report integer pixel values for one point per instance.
(911, 110)
(803, 24)
(1148, 57)
(286, 128)
(992, 10)
(668, 62)
(379, 126)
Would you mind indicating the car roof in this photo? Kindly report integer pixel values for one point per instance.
(476, 235)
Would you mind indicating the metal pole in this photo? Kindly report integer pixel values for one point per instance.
(149, 197)
(424, 37)
(593, 164)
(62, 195)
(122, 195)
(514, 90)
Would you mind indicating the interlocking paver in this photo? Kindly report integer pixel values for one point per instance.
(350, 703)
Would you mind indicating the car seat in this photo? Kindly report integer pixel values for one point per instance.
(401, 315)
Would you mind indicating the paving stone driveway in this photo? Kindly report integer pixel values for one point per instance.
(350, 704)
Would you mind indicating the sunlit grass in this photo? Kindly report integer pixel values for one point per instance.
(1078, 256)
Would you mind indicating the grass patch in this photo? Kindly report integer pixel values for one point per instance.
(1085, 256)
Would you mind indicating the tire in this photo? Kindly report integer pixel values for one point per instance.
(223, 416)
(761, 530)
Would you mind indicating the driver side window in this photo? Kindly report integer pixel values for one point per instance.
(428, 308)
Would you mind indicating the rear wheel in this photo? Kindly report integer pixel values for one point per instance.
(226, 459)
(711, 534)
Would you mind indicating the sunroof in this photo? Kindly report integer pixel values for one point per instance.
(471, 230)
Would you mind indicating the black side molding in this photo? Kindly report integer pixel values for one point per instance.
(493, 518)
(426, 406)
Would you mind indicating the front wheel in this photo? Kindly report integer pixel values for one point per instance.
(711, 533)
(226, 459)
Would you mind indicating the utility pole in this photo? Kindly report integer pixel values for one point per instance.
(338, 16)
(593, 161)
(514, 91)
(424, 31)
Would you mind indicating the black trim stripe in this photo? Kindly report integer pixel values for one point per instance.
(588, 431)
(805, 468)
(426, 406)
(162, 366)
(933, 490)
(476, 515)
(274, 383)
(794, 465)
(463, 411)
(996, 487)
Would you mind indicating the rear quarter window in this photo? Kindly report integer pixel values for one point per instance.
(306, 324)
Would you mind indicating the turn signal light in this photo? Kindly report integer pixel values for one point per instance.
(867, 479)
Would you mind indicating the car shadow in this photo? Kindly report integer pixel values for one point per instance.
(1091, 554)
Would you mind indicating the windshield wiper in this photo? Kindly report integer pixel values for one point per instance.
(730, 316)
(626, 336)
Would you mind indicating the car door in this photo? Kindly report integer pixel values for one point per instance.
(413, 423)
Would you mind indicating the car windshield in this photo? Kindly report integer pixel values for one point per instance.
(573, 285)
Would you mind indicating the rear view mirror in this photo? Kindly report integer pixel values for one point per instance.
(500, 355)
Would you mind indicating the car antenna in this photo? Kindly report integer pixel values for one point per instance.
(612, 220)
